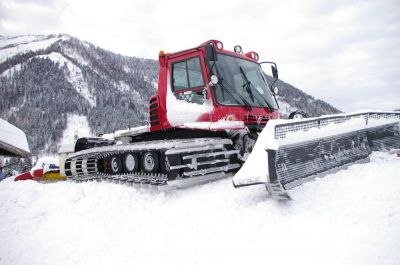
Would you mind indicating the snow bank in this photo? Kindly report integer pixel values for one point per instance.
(351, 217)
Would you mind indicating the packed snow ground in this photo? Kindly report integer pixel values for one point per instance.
(351, 217)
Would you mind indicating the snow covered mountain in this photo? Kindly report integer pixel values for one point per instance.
(48, 82)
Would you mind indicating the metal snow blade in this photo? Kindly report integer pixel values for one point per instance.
(300, 150)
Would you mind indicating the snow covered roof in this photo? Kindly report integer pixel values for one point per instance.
(13, 140)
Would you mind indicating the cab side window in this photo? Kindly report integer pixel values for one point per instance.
(187, 74)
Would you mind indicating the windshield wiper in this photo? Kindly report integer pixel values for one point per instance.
(266, 101)
(246, 84)
(244, 101)
(233, 94)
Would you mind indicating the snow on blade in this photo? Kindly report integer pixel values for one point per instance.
(255, 170)
(13, 139)
(331, 129)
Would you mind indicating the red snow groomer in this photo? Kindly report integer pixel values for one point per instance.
(210, 106)
(208, 113)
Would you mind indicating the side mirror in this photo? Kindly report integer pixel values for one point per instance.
(274, 70)
(211, 54)
(213, 80)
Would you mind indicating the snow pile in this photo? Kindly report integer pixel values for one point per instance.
(45, 163)
(351, 217)
(180, 111)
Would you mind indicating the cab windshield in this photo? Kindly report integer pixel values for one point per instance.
(241, 83)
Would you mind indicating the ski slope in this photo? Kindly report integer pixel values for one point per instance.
(351, 217)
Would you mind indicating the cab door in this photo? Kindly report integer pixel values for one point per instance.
(189, 83)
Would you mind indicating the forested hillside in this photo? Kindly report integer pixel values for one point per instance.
(38, 88)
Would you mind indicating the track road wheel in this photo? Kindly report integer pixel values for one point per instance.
(130, 162)
(115, 164)
(150, 162)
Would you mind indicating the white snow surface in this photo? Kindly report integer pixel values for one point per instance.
(127, 132)
(331, 129)
(13, 136)
(218, 125)
(351, 217)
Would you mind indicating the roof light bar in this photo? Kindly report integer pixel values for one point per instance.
(238, 49)
(252, 55)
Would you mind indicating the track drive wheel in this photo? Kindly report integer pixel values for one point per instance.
(130, 162)
(150, 162)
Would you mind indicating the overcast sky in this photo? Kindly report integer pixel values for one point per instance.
(344, 52)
